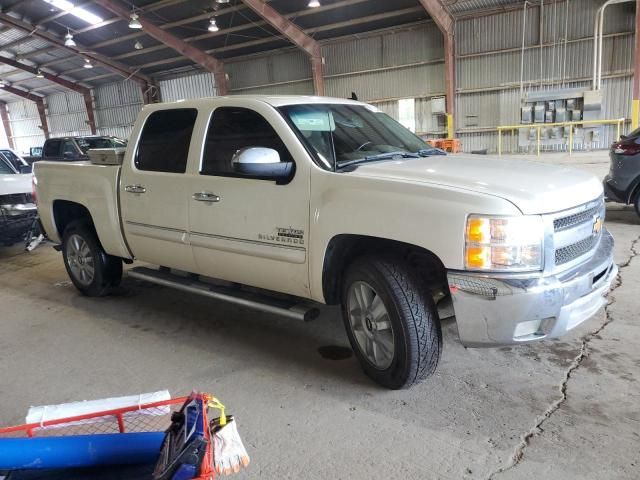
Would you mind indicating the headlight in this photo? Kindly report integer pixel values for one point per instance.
(504, 243)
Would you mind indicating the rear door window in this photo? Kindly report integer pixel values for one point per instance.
(165, 140)
(52, 148)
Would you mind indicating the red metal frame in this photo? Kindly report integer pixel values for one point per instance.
(117, 413)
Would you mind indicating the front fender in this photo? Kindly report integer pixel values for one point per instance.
(428, 216)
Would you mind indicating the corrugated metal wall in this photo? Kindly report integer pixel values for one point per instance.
(489, 56)
(383, 67)
(192, 86)
(117, 106)
(25, 125)
(377, 67)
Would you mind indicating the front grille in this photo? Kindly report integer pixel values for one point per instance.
(564, 223)
(575, 250)
(16, 199)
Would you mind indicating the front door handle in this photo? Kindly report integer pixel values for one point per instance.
(135, 189)
(206, 197)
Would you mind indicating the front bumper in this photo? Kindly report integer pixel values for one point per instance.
(493, 310)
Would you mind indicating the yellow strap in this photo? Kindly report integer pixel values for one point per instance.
(215, 403)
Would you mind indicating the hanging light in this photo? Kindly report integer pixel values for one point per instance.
(87, 63)
(134, 22)
(314, 4)
(39, 74)
(68, 40)
(222, 1)
(213, 26)
(138, 45)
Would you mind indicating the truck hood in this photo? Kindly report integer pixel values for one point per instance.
(14, 183)
(535, 188)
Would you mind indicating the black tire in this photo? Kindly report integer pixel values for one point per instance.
(417, 337)
(636, 204)
(107, 269)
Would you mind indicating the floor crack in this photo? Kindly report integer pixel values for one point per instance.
(525, 440)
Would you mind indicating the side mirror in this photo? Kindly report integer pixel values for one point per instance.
(25, 169)
(263, 163)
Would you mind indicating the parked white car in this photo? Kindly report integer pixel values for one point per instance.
(319, 200)
(17, 206)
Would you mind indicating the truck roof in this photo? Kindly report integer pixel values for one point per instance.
(273, 100)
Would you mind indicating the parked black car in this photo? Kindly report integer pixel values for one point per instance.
(622, 184)
(72, 149)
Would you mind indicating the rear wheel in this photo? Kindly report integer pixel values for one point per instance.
(391, 321)
(90, 268)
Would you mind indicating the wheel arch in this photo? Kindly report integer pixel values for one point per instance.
(66, 212)
(634, 190)
(344, 249)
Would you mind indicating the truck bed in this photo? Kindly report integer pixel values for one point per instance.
(92, 186)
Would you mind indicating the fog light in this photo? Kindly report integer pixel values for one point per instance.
(534, 327)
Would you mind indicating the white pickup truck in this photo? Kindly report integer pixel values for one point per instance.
(290, 202)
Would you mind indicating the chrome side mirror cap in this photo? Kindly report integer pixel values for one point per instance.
(262, 164)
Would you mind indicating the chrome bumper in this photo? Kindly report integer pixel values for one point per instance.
(493, 310)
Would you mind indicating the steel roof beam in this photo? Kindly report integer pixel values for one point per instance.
(292, 32)
(117, 67)
(150, 8)
(446, 24)
(198, 56)
(309, 31)
(84, 91)
(39, 101)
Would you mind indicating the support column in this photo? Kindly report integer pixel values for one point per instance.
(450, 82)
(635, 103)
(7, 125)
(88, 102)
(42, 112)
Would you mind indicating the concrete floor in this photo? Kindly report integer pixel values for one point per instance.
(563, 409)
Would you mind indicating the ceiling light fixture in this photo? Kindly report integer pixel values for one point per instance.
(80, 12)
(39, 74)
(222, 1)
(213, 26)
(135, 23)
(138, 45)
(87, 63)
(68, 40)
(314, 4)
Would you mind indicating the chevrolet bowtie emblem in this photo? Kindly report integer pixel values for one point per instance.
(597, 225)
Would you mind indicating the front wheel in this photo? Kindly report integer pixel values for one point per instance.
(90, 268)
(391, 321)
(636, 204)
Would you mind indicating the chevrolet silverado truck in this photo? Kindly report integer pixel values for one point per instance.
(282, 203)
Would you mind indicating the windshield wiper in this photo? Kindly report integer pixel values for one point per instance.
(381, 156)
(428, 152)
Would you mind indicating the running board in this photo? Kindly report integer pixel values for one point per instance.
(191, 284)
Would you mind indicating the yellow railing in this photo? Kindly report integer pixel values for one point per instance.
(539, 126)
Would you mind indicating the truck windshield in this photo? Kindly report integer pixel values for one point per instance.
(340, 135)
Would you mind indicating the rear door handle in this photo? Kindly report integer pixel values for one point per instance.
(206, 197)
(135, 189)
